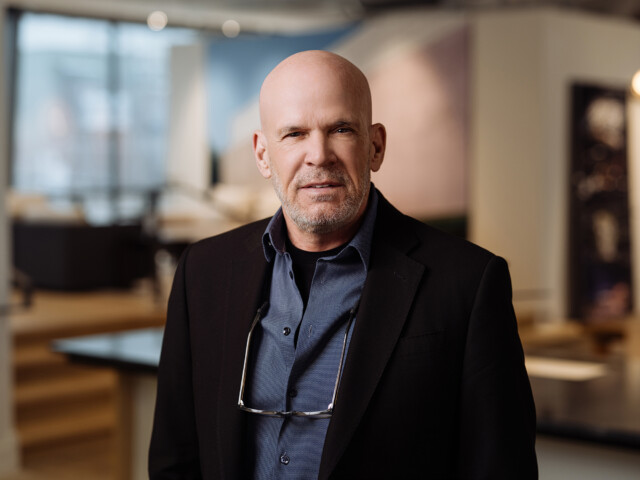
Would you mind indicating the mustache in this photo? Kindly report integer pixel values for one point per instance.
(321, 175)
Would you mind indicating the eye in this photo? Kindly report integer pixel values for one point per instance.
(344, 130)
(293, 134)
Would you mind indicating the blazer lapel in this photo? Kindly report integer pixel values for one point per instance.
(386, 299)
(245, 287)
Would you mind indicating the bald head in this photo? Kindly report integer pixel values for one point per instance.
(311, 73)
(318, 146)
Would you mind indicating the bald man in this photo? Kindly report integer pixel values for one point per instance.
(340, 338)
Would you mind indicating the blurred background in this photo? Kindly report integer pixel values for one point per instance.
(125, 134)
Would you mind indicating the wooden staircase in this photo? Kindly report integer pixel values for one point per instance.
(56, 400)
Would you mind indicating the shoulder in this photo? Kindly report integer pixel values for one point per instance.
(236, 243)
(425, 243)
(454, 268)
(450, 250)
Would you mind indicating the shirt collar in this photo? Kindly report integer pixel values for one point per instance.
(273, 239)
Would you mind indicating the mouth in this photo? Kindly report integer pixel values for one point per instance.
(321, 185)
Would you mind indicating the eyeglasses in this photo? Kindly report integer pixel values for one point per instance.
(293, 413)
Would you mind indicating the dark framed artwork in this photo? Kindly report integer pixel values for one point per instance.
(599, 231)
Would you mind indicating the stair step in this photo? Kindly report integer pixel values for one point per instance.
(32, 375)
(38, 355)
(67, 427)
(88, 383)
(63, 314)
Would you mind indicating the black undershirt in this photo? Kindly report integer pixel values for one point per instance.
(304, 266)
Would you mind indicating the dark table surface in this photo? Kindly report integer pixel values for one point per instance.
(134, 350)
(604, 408)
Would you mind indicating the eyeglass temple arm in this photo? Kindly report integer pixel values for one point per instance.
(246, 352)
(352, 315)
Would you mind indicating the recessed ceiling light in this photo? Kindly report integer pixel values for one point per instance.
(231, 28)
(157, 20)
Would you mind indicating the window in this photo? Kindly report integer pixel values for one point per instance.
(91, 108)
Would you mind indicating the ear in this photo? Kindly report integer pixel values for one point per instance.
(261, 154)
(378, 145)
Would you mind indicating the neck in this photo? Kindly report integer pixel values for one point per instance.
(320, 242)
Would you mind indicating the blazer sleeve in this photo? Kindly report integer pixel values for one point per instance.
(497, 422)
(173, 452)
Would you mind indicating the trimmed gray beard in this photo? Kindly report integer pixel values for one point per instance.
(325, 222)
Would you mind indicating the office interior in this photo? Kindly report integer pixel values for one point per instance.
(125, 134)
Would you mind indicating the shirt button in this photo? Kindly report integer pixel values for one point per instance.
(284, 459)
(286, 331)
(292, 392)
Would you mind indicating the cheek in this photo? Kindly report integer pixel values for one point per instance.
(356, 161)
(283, 171)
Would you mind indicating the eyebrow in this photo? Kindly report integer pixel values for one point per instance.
(345, 123)
(295, 128)
(285, 130)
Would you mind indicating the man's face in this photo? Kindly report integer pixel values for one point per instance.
(318, 149)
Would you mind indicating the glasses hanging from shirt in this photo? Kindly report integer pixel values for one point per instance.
(292, 413)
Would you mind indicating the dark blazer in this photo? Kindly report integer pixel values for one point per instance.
(434, 384)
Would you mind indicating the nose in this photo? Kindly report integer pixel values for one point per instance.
(319, 150)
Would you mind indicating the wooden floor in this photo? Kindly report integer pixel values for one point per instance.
(90, 459)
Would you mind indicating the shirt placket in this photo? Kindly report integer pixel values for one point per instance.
(283, 456)
(313, 328)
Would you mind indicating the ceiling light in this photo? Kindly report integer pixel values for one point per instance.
(231, 28)
(635, 84)
(157, 20)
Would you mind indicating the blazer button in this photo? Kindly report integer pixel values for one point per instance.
(286, 331)
(284, 459)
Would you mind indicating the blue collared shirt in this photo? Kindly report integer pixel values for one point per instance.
(289, 375)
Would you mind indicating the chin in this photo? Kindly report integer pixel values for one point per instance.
(324, 221)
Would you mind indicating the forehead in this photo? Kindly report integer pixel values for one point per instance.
(312, 94)
(302, 106)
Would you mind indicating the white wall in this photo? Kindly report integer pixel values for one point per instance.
(634, 196)
(507, 187)
(418, 71)
(8, 446)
